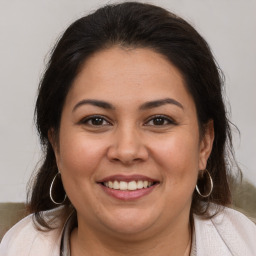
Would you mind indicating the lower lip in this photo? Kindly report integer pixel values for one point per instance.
(127, 195)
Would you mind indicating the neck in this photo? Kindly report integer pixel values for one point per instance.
(176, 242)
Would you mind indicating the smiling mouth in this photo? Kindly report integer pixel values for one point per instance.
(128, 186)
(131, 187)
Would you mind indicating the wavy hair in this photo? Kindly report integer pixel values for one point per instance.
(136, 25)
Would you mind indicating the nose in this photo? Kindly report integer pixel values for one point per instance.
(127, 147)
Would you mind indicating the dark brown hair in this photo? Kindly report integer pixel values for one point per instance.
(133, 24)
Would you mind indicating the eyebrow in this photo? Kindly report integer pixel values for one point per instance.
(161, 102)
(144, 106)
(97, 103)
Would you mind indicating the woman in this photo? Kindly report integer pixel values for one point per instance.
(131, 117)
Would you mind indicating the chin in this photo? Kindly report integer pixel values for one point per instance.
(130, 222)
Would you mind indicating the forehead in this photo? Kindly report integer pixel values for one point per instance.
(119, 74)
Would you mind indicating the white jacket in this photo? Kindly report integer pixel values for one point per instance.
(229, 233)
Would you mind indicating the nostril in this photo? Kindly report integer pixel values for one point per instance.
(127, 161)
(127, 149)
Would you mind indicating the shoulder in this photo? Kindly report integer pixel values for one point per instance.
(227, 233)
(25, 239)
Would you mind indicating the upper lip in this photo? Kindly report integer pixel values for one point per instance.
(127, 178)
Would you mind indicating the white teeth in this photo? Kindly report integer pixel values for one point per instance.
(140, 184)
(123, 185)
(116, 185)
(110, 184)
(145, 184)
(132, 185)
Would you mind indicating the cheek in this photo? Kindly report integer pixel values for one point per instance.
(79, 159)
(79, 155)
(180, 151)
(179, 157)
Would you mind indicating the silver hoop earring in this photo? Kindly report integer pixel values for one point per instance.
(211, 186)
(51, 191)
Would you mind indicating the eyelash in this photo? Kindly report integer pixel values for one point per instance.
(94, 118)
(163, 118)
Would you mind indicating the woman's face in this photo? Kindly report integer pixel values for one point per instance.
(129, 150)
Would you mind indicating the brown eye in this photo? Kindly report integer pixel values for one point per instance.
(95, 121)
(159, 121)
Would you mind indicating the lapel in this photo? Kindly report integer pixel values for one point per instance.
(228, 233)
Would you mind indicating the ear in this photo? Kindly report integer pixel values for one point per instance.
(206, 144)
(52, 137)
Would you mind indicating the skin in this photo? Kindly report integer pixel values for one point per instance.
(130, 140)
